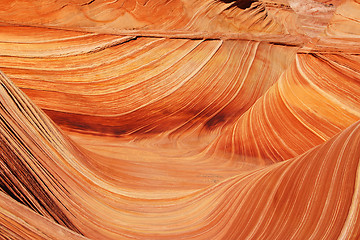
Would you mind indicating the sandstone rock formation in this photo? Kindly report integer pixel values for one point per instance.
(215, 119)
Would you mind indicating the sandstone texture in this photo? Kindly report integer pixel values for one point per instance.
(180, 119)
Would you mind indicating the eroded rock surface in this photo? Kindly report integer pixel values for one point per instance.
(180, 119)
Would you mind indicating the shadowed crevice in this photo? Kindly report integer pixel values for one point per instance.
(242, 4)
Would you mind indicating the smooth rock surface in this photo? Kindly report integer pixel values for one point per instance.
(180, 119)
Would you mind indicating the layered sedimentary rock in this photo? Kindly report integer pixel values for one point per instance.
(150, 16)
(345, 22)
(179, 120)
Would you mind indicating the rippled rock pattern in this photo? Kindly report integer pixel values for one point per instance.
(212, 119)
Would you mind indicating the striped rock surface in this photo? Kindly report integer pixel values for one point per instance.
(179, 119)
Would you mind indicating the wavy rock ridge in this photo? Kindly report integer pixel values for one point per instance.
(179, 119)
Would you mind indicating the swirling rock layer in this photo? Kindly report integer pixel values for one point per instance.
(179, 120)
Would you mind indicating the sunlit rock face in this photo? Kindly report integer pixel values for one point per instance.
(213, 119)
